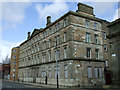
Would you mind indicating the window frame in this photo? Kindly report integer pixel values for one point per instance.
(96, 39)
(87, 23)
(66, 71)
(65, 52)
(97, 53)
(90, 74)
(88, 37)
(100, 72)
(88, 54)
(96, 72)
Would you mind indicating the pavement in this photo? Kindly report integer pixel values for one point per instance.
(37, 84)
(108, 87)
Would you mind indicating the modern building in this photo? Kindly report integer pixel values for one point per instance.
(14, 63)
(114, 36)
(74, 46)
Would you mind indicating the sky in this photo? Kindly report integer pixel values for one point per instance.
(18, 18)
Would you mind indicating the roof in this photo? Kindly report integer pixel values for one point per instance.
(114, 22)
(37, 31)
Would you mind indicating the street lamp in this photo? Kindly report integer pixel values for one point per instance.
(56, 63)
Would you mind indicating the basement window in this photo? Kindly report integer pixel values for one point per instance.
(89, 72)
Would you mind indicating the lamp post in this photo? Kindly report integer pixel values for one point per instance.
(56, 63)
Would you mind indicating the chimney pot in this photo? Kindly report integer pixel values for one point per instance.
(48, 20)
(28, 35)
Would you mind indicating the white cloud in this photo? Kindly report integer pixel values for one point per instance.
(13, 13)
(5, 49)
(102, 7)
(55, 10)
(60, 0)
(117, 14)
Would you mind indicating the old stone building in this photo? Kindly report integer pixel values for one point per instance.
(77, 40)
(114, 36)
(14, 63)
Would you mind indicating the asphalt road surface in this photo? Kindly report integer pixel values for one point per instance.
(8, 84)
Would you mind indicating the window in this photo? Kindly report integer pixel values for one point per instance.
(55, 55)
(55, 71)
(49, 54)
(38, 58)
(42, 72)
(14, 50)
(97, 53)
(35, 58)
(58, 54)
(55, 28)
(49, 42)
(55, 40)
(43, 57)
(57, 68)
(106, 63)
(96, 72)
(34, 48)
(89, 72)
(96, 39)
(100, 72)
(14, 57)
(87, 24)
(65, 22)
(88, 37)
(66, 73)
(49, 72)
(37, 38)
(104, 35)
(45, 33)
(58, 39)
(14, 70)
(58, 26)
(105, 47)
(95, 26)
(28, 60)
(14, 75)
(65, 52)
(44, 45)
(50, 31)
(65, 36)
(88, 52)
(32, 59)
(38, 47)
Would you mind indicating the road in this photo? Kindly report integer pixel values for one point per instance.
(9, 84)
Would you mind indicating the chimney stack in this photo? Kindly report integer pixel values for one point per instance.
(83, 8)
(28, 35)
(48, 20)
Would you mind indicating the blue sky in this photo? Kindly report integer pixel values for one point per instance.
(20, 17)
